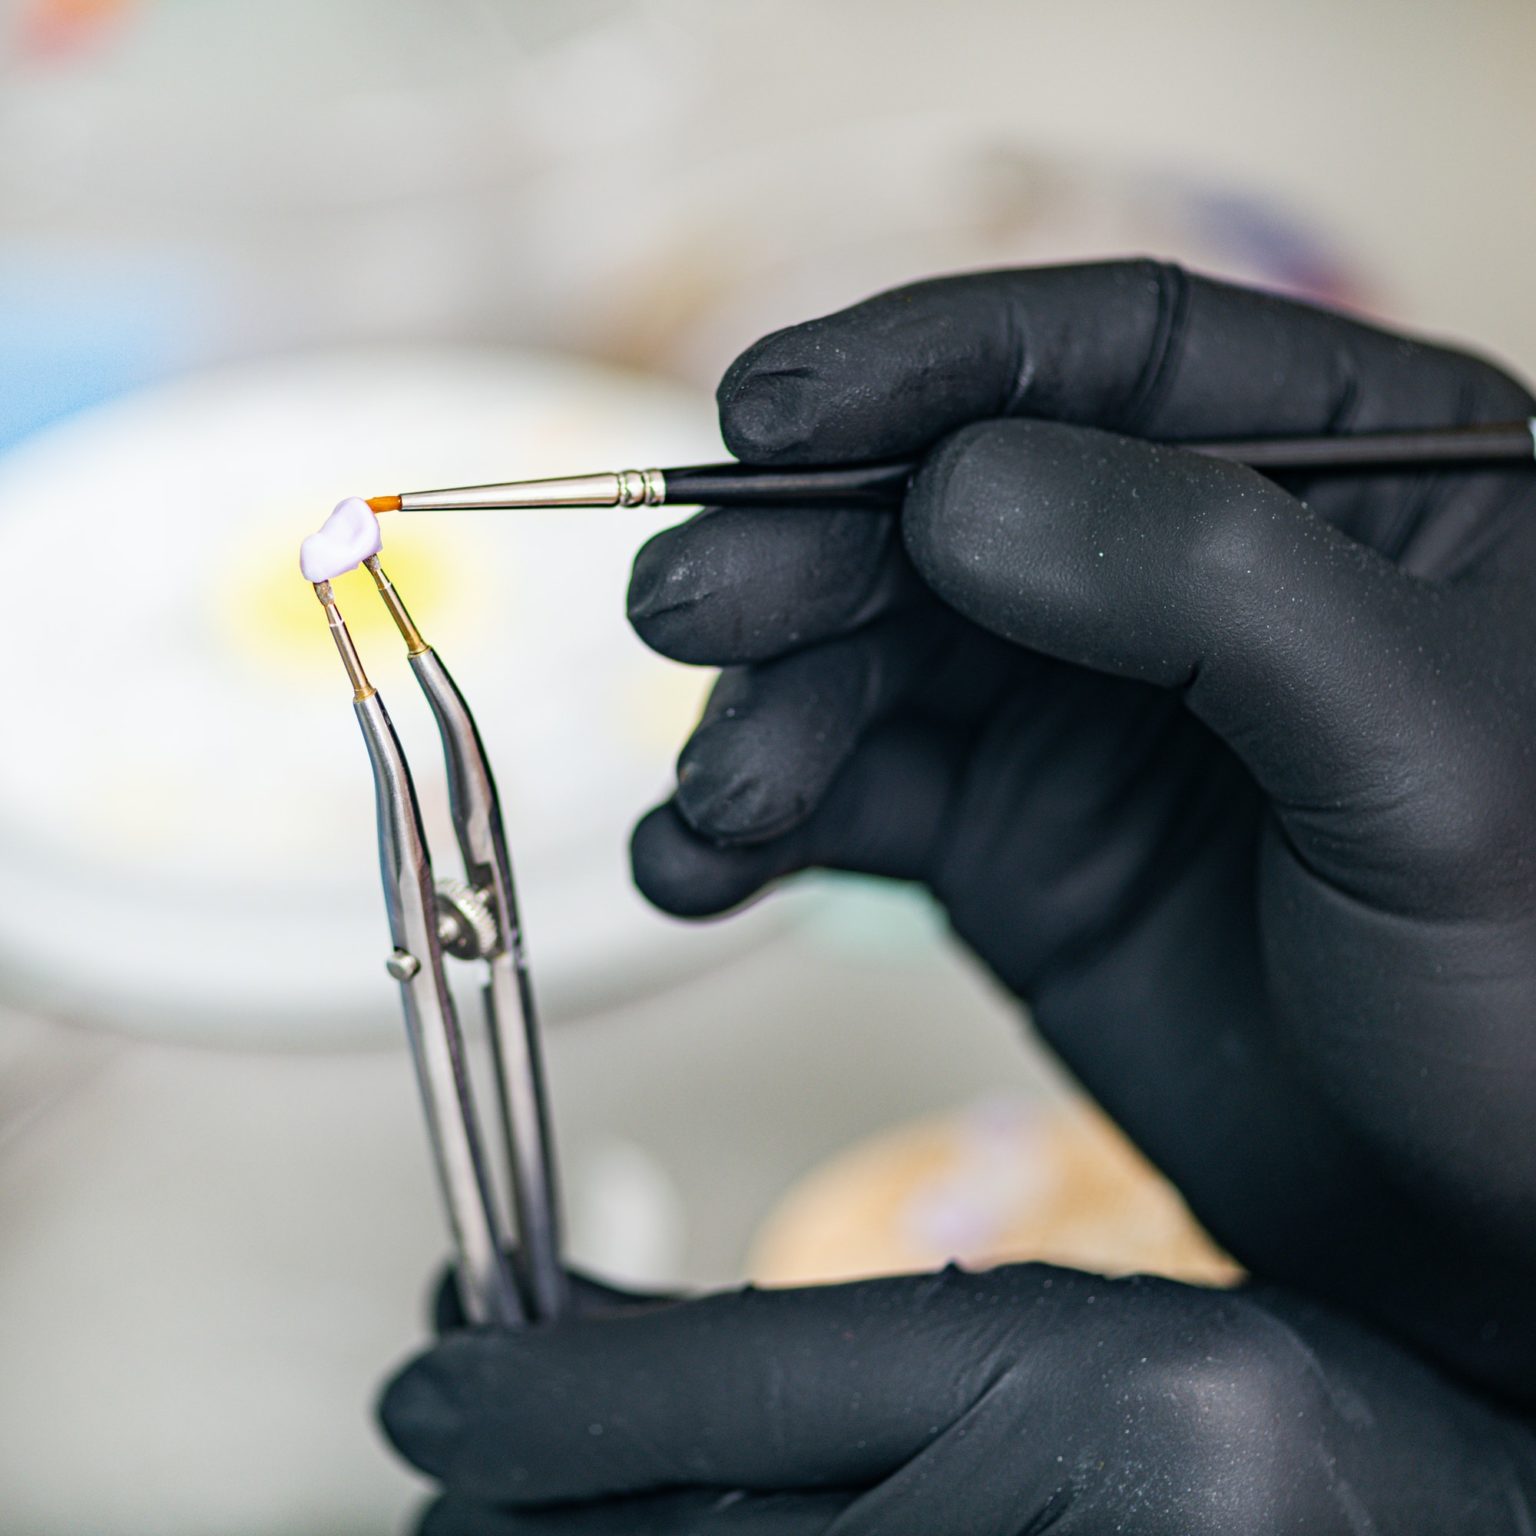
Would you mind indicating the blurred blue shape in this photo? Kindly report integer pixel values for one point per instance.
(75, 331)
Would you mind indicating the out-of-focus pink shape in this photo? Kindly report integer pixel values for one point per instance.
(58, 28)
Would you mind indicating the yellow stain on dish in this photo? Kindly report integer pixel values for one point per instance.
(266, 613)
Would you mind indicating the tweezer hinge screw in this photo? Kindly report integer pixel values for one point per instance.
(402, 965)
(466, 921)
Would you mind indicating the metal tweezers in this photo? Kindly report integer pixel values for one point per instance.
(472, 919)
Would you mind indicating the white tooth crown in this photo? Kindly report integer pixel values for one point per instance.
(344, 540)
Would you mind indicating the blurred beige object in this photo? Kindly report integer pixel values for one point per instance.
(998, 1181)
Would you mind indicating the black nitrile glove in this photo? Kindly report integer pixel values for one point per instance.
(1235, 791)
(1018, 1401)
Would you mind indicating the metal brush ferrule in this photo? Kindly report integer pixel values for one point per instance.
(641, 488)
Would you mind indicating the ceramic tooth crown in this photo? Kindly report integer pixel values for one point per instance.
(344, 540)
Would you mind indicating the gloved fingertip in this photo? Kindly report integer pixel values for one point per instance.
(681, 874)
(725, 795)
(421, 1413)
(683, 632)
(656, 567)
(767, 405)
(660, 584)
(647, 576)
(681, 602)
(661, 865)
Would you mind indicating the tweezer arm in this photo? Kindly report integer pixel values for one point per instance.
(510, 1013)
(487, 1290)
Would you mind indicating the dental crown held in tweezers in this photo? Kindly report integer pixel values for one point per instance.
(473, 919)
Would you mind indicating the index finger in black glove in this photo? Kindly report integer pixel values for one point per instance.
(1133, 347)
(1074, 343)
(1139, 347)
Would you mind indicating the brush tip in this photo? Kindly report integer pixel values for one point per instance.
(383, 503)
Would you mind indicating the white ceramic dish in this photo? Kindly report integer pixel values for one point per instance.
(186, 816)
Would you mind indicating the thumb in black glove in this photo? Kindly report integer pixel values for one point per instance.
(1026, 1399)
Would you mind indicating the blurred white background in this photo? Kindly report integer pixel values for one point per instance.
(258, 254)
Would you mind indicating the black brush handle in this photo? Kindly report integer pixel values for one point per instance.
(1501, 442)
(747, 485)
(878, 485)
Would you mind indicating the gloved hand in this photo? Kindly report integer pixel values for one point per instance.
(1237, 791)
(1229, 787)
(1022, 1400)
